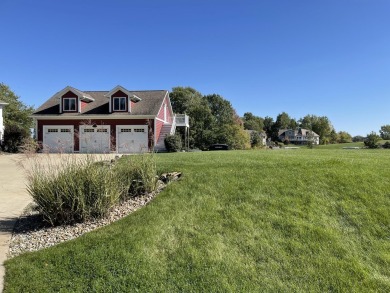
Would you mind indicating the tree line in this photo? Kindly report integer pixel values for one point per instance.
(212, 120)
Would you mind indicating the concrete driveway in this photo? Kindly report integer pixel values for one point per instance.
(13, 194)
(13, 199)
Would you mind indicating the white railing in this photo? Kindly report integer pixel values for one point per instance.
(182, 120)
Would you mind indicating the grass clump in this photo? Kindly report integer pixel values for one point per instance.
(80, 188)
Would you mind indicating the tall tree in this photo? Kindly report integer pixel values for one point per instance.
(221, 109)
(268, 125)
(17, 120)
(385, 131)
(319, 124)
(252, 122)
(16, 112)
(183, 97)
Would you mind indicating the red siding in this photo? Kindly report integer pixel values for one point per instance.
(161, 112)
(159, 125)
(111, 122)
(83, 104)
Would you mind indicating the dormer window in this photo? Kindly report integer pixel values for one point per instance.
(119, 103)
(69, 104)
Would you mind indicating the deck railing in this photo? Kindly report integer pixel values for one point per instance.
(182, 120)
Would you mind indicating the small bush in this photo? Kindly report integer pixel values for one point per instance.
(173, 143)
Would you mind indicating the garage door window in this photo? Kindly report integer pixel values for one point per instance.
(102, 130)
(139, 130)
(65, 130)
(89, 130)
(126, 130)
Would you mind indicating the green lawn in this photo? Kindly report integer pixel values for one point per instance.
(239, 221)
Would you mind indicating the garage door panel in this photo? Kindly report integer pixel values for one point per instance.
(95, 139)
(132, 139)
(58, 139)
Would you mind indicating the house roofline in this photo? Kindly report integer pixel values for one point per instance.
(104, 117)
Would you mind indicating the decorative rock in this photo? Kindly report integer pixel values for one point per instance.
(31, 233)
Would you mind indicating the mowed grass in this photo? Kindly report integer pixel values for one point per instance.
(238, 221)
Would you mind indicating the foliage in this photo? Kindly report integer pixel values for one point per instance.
(173, 143)
(79, 188)
(239, 221)
(386, 145)
(252, 122)
(14, 137)
(256, 139)
(385, 131)
(319, 124)
(372, 140)
(16, 112)
(358, 138)
(344, 137)
(210, 118)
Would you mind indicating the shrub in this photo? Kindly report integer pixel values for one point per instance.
(14, 135)
(372, 140)
(80, 189)
(386, 145)
(173, 143)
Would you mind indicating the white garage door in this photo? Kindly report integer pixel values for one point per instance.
(132, 138)
(94, 139)
(58, 138)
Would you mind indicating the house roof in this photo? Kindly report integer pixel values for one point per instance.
(149, 104)
(299, 131)
(261, 133)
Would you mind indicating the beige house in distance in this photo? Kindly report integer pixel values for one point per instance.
(299, 136)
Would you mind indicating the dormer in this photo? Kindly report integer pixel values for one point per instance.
(121, 100)
(71, 100)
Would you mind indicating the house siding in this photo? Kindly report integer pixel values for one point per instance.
(159, 125)
(168, 114)
(112, 122)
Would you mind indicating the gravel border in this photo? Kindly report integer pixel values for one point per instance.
(31, 233)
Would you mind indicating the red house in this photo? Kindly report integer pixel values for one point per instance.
(118, 120)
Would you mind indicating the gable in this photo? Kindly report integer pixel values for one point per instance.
(143, 103)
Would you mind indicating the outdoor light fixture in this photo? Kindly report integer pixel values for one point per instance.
(94, 125)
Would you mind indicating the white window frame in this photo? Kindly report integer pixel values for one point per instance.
(113, 104)
(69, 110)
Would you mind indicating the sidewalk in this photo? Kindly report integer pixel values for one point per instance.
(13, 199)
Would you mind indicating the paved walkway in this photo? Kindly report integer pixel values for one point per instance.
(13, 194)
(13, 199)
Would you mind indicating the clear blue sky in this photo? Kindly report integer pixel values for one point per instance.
(321, 57)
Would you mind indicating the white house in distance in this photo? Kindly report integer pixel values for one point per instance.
(2, 104)
(299, 136)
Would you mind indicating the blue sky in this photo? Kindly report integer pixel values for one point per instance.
(321, 57)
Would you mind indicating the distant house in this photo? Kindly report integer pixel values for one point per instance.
(116, 120)
(262, 135)
(298, 136)
(2, 104)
